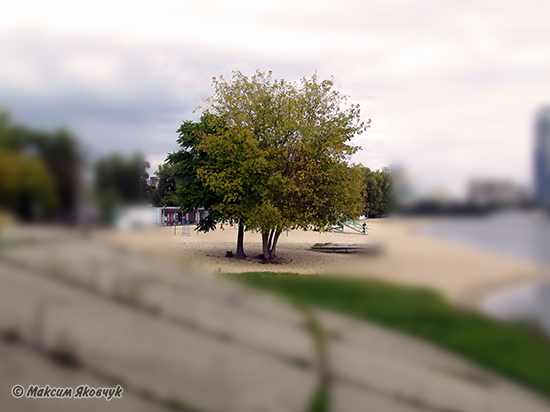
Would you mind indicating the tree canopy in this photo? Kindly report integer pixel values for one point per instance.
(164, 194)
(39, 171)
(378, 192)
(277, 154)
(26, 185)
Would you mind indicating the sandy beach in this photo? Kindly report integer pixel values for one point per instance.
(462, 274)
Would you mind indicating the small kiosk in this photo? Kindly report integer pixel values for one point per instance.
(174, 214)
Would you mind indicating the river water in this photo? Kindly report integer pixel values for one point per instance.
(524, 236)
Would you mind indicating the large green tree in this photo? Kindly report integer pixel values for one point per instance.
(279, 155)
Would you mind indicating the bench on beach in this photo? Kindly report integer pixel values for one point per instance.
(348, 248)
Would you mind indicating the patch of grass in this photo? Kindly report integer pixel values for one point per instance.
(504, 348)
(320, 401)
(324, 244)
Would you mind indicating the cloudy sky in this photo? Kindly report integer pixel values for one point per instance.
(451, 87)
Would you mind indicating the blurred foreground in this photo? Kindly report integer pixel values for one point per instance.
(97, 309)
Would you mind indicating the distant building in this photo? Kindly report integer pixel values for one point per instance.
(153, 181)
(542, 157)
(491, 192)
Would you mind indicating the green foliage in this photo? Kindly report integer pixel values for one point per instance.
(283, 151)
(320, 401)
(378, 192)
(502, 347)
(277, 153)
(26, 185)
(61, 153)
(165, 192)
(191, 191)
(39, 171)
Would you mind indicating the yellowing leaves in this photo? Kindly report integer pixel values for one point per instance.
(24, 179)
(283, 152)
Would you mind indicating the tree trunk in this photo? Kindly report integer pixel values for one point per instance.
(274, 244)
(240, 243)
(269, 243)
(265, 245)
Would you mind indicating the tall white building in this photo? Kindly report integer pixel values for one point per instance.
(542, 157)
